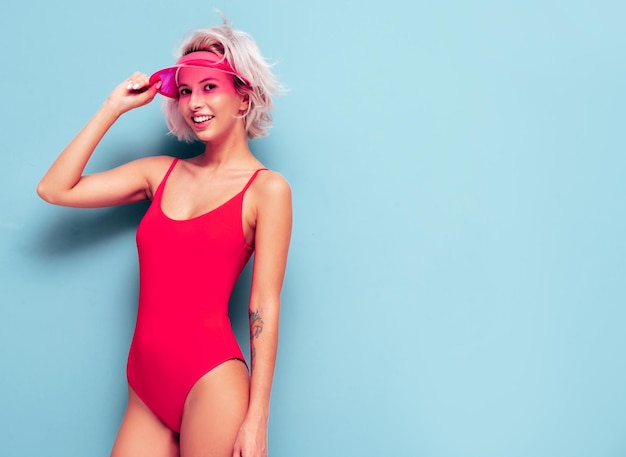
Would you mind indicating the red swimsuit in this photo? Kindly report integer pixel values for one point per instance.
(187, 271)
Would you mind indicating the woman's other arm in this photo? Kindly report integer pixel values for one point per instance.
(273, 233)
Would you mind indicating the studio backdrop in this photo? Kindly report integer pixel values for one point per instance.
(456, 282)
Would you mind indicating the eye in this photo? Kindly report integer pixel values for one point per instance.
(210, 86)
(183, 91)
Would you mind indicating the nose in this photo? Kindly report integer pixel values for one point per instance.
(195, 100)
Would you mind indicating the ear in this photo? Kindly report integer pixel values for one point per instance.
(244, 107)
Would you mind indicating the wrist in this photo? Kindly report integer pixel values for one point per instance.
(111, 109)
(257, 416)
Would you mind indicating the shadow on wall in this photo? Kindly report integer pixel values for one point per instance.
(74, 230)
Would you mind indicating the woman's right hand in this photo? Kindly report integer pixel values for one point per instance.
(64, 183)
(134, 92)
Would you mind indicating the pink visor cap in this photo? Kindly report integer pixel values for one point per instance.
(198, 59)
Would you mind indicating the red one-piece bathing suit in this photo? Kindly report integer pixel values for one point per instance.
(187, 272)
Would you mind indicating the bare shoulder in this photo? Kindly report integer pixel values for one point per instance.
(143, 175)
(154, 165)
(272, 185)
(152, 168)
(273, 205)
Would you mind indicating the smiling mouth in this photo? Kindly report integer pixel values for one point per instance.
(201, 119)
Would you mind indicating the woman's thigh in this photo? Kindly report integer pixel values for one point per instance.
(214, 411)
(142, 434)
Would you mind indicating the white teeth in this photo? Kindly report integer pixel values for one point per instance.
(199, 119)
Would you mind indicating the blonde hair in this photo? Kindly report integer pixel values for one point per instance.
(243, 54)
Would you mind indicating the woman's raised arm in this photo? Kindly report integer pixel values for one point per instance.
(64, 183)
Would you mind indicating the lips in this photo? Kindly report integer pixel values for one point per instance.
(201, 119)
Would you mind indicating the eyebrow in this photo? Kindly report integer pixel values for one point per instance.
(210, 78)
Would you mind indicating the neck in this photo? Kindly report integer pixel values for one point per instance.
(233, 149)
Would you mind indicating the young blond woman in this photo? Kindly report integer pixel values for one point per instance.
(190, 392)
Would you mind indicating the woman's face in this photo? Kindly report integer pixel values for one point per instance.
(210, 103)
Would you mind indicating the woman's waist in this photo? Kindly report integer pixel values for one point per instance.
(157, 333)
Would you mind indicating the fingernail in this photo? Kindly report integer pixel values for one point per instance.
(136, 86)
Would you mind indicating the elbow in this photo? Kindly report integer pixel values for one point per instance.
(46, 194)
(41, 191)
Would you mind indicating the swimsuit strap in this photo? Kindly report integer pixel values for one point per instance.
(159, 191)
(252, 179)
(174, 162)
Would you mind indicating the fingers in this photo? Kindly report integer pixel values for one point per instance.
(138, 82)
(138, 90)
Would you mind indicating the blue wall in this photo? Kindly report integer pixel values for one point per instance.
(456, 281)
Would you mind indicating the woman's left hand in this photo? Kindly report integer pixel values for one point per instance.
(251, 440)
